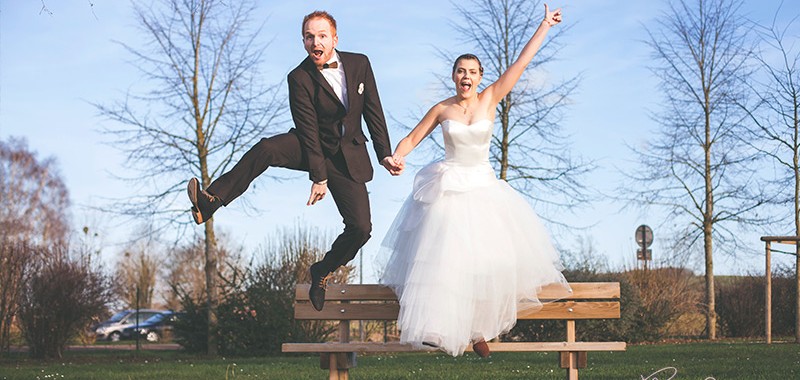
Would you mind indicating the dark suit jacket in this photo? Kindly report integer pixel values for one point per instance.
(318, 115)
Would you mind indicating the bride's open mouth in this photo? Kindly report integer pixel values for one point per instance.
(465, 85)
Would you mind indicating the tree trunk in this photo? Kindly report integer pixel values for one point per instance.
(211, 286)
(797, 254)
(797, 285)
(212, 293)
(708, 227)
(796, 163)
(711, 314)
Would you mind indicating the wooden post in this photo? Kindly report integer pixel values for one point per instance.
(768, 296)
(344, 337)
(339, 363)
(333, 370)
(344, 331)
(572, 360)
(768, 291)
(572, 371)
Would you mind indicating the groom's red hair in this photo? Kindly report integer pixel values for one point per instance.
(319, 14)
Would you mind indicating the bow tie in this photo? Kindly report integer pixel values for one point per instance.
(332, 65)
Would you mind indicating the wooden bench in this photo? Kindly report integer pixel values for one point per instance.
(345, 303)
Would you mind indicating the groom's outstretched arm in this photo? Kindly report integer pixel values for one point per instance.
(373, 115)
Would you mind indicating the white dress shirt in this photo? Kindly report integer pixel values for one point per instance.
(336, 79)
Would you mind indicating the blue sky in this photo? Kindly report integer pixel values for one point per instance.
(53, 64)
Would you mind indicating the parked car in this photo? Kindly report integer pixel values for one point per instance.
(113, 327)
(155, 328)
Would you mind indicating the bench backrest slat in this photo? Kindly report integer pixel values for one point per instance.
(355, 292)
(389, 311)
(588, 300)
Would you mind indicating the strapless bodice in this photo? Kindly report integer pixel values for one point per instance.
(467, 144)
(466, 164)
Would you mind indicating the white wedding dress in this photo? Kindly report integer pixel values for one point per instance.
(465, 248)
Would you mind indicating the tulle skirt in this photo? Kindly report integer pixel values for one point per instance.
(466, 252)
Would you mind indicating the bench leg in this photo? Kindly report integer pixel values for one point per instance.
(338, 364)
(572, 361)
(572, 370)
(334, 372)
(333, 368)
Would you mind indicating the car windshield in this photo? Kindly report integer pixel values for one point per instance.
(155, 319)
(118, 317)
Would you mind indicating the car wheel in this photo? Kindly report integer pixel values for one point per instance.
(115, 336)
(152, 336)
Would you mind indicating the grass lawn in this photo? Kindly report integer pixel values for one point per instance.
(719, 360)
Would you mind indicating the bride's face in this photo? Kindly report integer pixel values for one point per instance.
(467, 76)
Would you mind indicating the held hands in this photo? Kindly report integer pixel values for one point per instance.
(394, 164)
(551, 18)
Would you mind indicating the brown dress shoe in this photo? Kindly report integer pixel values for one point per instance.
(481, 348)
(203, 204)
(319, 282)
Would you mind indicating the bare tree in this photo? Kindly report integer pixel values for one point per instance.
(87, 247)
(46, 10)
(33, 215)
(204, 107)
(583, 256)
(696, 168)
(136, 276)
(183, 269)
(529, 150)
(777, 119)
(33, 197)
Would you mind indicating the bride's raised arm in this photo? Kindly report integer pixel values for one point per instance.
(499, 89)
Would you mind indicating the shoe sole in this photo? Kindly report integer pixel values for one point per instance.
(193, 189)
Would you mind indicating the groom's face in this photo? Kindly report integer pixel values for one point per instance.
(319, 39)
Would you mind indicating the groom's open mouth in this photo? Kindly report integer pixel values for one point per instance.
(317, 54)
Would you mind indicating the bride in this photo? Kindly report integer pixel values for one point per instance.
(466, 250)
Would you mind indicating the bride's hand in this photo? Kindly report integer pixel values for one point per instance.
(392, 165)
(551, 18)
(399, 164)
(400, 161)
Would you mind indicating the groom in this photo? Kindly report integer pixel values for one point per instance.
(329, 92)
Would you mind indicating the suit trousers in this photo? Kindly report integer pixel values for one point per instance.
(284, 150)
